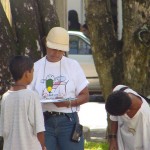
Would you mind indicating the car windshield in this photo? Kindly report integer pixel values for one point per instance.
(79, 44)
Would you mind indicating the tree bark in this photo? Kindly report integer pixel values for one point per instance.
(32, 19)
(24, 15)
(104, 44)
(7, 50)
(136, 48)
(48, 18)
(40, 17)
(116, 63)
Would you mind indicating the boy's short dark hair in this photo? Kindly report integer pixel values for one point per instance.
(18, 65)
(118, 103)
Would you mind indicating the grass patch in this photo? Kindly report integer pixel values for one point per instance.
(95, 145)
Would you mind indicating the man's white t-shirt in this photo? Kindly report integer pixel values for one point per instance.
(21, 119)
(62, 79)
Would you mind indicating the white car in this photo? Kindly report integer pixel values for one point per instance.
(80, 49)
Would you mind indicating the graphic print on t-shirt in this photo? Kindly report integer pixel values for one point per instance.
(54, 87)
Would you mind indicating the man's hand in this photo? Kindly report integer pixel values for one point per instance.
(62, 104)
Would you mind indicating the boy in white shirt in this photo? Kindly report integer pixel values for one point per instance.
(21, 122)
(130, 119)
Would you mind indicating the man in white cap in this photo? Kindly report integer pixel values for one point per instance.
(130, 120)
(57, 78)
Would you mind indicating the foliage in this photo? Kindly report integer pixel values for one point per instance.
(95, 145)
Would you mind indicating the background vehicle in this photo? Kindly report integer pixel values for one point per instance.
(80, 49)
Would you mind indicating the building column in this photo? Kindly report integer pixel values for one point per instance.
(61, 9)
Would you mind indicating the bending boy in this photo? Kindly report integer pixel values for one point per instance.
(130, 120)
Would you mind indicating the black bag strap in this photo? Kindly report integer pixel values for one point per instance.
(124, 88)
(146, 98)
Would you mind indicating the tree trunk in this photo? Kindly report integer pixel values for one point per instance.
(40, 17)
(103, 40)
(48, 18)
(24, 15)
(136, 48)
(126, 61)
(121, 64)
(32, 19)
(7, 50)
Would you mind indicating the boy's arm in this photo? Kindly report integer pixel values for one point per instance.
(41, 139)
(114, 127)
(113, 136)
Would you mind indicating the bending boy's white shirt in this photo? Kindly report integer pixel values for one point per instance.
(134, 133)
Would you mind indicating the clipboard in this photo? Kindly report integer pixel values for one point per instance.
(57, 100)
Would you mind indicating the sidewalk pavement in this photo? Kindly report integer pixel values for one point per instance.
(93, 117)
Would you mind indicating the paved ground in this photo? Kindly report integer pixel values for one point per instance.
(93, 117)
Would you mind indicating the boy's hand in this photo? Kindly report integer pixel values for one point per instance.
(113, 144)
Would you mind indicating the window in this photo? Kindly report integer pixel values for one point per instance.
(79, 46)
(73, 42)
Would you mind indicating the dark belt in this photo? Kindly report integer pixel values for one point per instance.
(53, 113)
(48, 114)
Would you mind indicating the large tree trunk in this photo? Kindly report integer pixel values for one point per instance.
(136, 48)
(7, 50)
(126, 61)
(126, 64)
(103, 39)
(33, 19)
